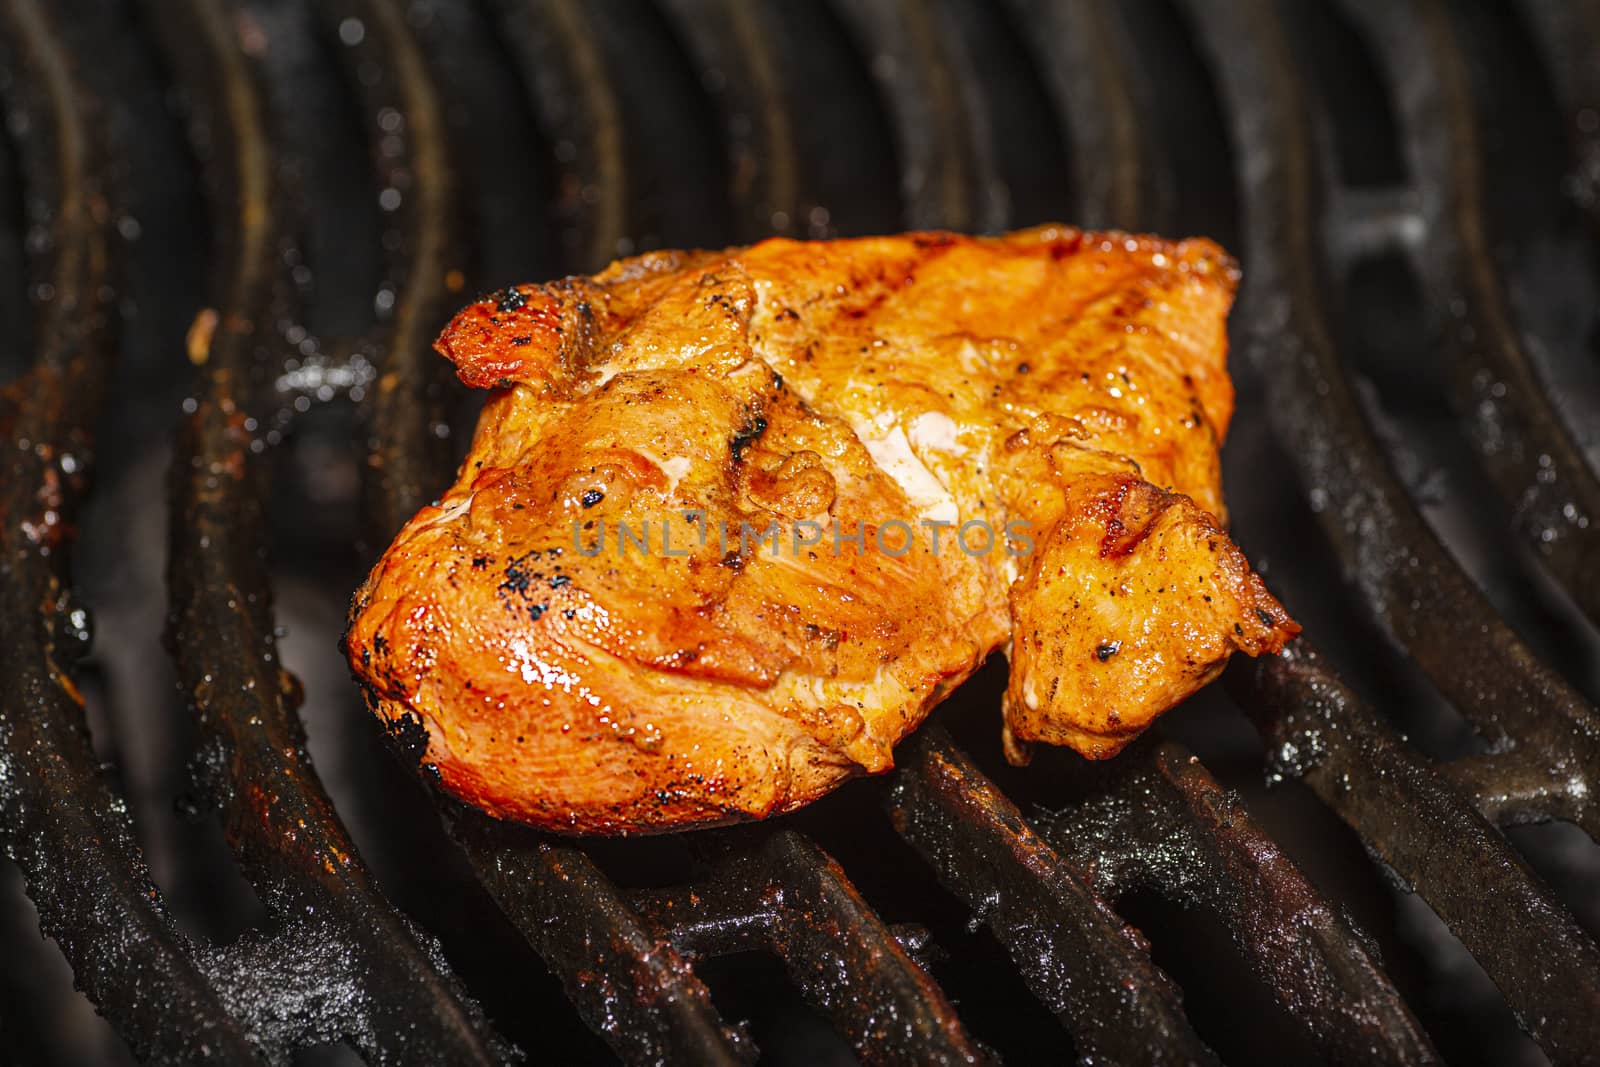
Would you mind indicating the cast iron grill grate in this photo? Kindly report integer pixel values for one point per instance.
(713, 121)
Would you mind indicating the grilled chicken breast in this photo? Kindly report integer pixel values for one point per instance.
(734, 522)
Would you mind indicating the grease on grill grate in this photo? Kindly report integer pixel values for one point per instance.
(360, 167)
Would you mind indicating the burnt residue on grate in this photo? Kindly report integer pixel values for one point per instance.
(699, 122)
(1542, 731)
(348, 966)
(1430, 834)
(59, 819)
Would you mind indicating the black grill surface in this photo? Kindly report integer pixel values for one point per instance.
(231, 229)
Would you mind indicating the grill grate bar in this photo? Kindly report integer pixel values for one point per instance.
(1410, 581)
(792, 898)
(1519, 435)
(1520, 787)
(732, 43)
(946, 169)
(403, 1004)
(629, 985)
(1083, 51)
(1167, 825)
(1076, 955)
(1568, 35)
(1431, 837)
(417, 192)
(59, 819)
(565, 70)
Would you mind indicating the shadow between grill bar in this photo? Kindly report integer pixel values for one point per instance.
(1414, 588)
(792, 898)
(1516, 430)
(1430, 835)
(1077, 956)
(59, 820)
(383, 988)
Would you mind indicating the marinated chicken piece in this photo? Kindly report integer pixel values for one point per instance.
(734, 522)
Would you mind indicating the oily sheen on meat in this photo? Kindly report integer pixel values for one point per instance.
(734, 522)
